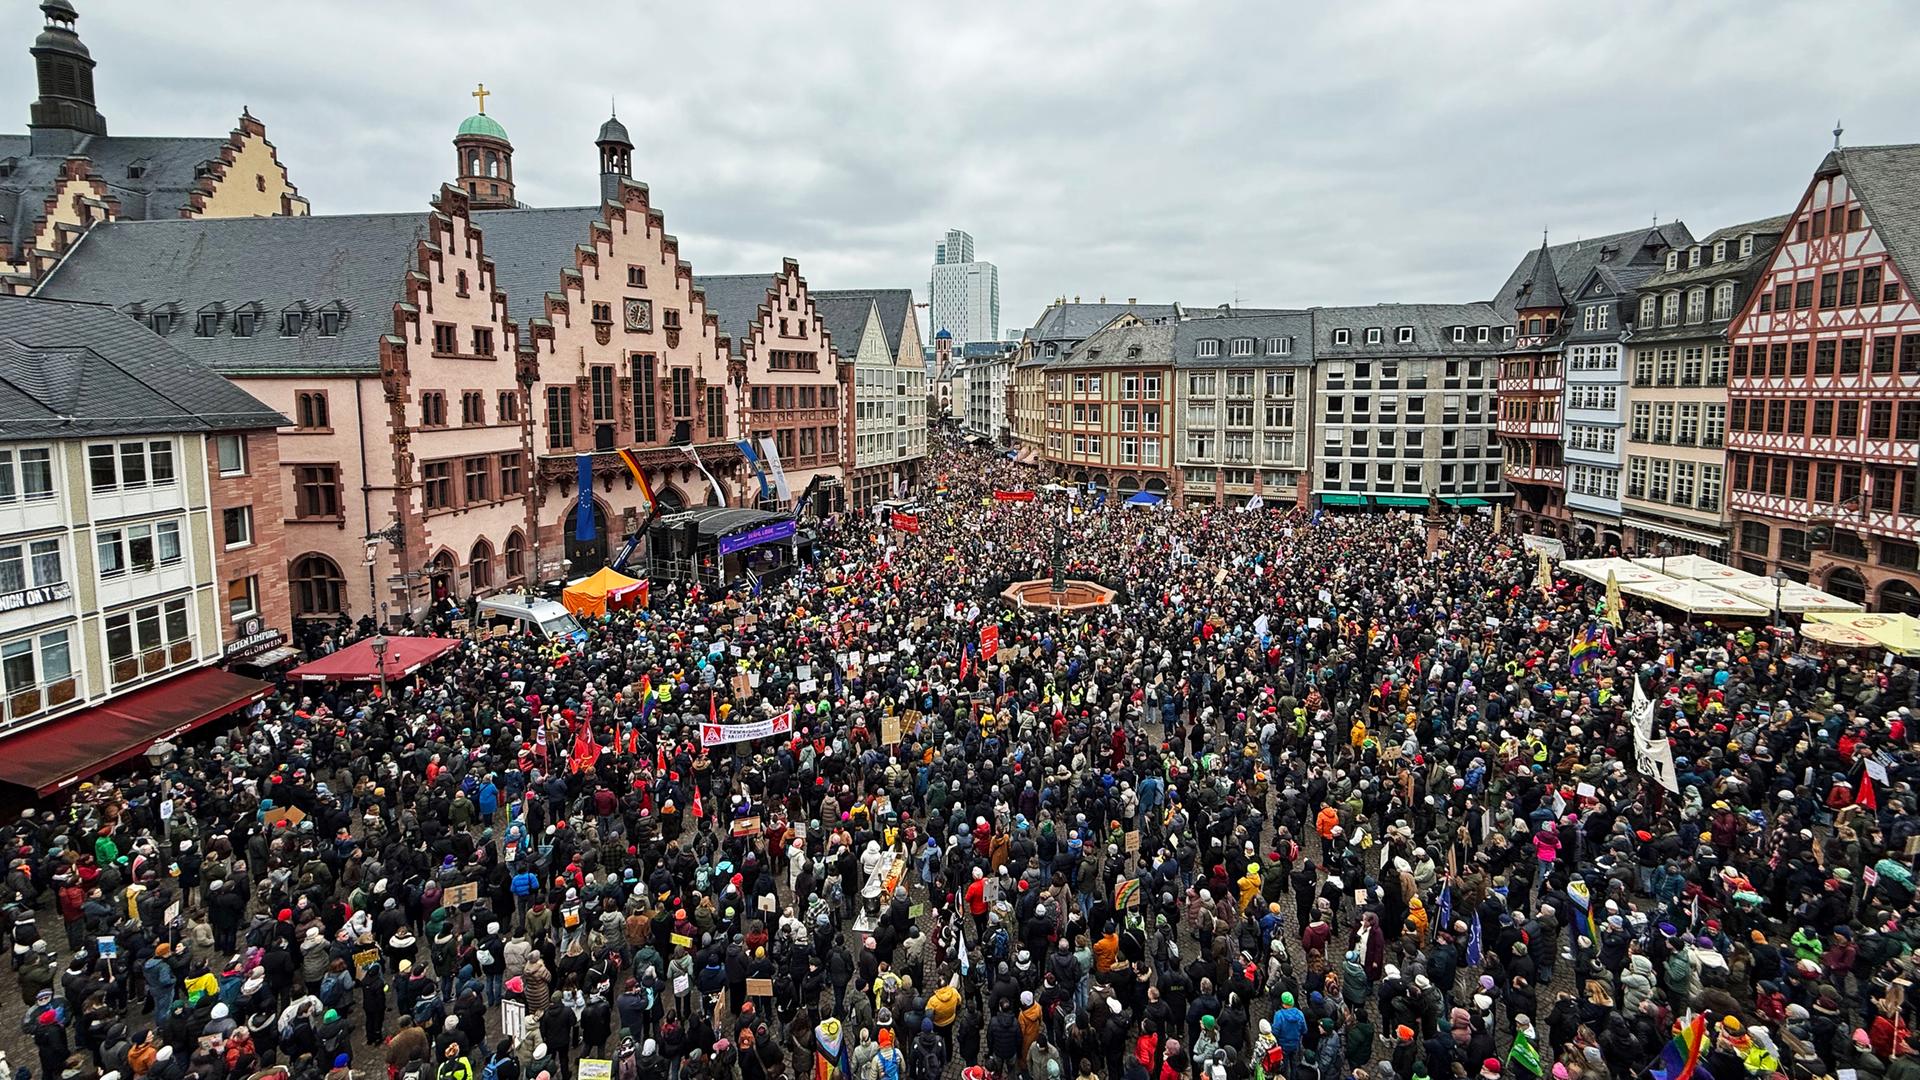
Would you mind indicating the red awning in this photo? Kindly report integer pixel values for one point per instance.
(49, 756)
(405, 655)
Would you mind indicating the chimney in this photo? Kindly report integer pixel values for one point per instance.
(1103, 298)
(1076, 298)
(1132, 300)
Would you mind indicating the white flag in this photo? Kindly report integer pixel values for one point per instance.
(772, 454)
(1654, 754)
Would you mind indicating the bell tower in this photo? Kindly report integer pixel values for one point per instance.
(63, 116)
(616, 157)
(484, 158)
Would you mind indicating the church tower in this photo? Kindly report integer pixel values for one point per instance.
(484, 165)
(616, 157)
(64, 114)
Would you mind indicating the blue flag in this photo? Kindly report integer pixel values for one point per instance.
(583, 530)
(1473, 942)
(759, 468)
(1446, 906)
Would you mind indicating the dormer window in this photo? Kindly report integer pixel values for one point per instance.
(1673, 260)
(329, 323)
(1693, 258)
(7, 165)
(1486, 334)
(206, 324)
(1133, 352)
(1649, 311)
(292, 322)
(1459, 333)
(1242, 346)
(161, 321)
(1720, 251)
(1746, 245)
(136, 169)
(1279, 346)
(1373, 335)
(1205, 348)
(1405, 335)
(1342, 336)
(1507, 333)
(244, 322)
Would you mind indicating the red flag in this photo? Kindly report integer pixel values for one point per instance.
(696, 809)
(963, 664)
(659, 760)
(585, 750)
(1867, 797)
(713, 707)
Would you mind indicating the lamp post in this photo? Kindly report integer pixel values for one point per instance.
(1665, 550)
(1780, 580)
(379, 645)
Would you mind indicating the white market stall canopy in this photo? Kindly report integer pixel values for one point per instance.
(1795, 598)
(1623, 571)
(1695, 597)
(1695, 567)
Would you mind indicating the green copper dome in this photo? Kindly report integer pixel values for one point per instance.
(482, 124)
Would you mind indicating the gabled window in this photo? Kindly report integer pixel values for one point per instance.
(244, 322)
(328, 322)
(292, 322)
(207, 322)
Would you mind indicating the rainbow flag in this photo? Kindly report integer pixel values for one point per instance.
(639, 475)
(1680, 1059)
(1586, 645)
(1582, 898)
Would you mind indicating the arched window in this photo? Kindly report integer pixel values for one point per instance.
(1899, 598)
(480, 565)
(318, 587)
(516, 555)
(1723, 300)
(1847, 584)
(493, 163)
(473, 163)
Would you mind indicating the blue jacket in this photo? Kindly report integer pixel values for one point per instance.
(1289, 1028)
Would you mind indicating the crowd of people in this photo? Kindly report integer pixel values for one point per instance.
(1305, 800)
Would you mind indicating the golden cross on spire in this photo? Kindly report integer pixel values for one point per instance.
(482, 93)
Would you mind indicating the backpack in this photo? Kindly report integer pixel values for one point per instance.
(492, 1071)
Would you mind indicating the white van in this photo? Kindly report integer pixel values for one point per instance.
(528, 615)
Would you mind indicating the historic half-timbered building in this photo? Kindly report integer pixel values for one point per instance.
(1824, 399)
(1537, 299)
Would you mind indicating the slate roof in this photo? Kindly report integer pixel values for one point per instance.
(736, 300)
(168, 179)
(1887, 180)
(1573, 261)
(896, 307)
(845, 316)
(357, 261)
(1298, 325)
(72, 370)
(1766, 231)
(529, 249)
(1072, 322)
(1432, 330)
(1108, 348)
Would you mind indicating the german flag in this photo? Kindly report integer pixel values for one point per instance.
(639, 475)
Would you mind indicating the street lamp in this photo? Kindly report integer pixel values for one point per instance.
(1665, 550)
(379, 645)
(1780, 580)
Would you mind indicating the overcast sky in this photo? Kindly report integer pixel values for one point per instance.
(1281, 155)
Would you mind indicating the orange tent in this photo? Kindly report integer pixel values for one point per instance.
(590, 596)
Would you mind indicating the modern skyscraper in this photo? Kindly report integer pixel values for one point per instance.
(965, 292)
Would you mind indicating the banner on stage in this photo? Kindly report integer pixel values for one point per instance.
(722, 734)
(1013, 496)
(906, 522)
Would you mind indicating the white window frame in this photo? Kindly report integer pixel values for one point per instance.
(1746, 245)
(1486, 333)
(1373, 335)
(1280, 346)
(38, 646)
(121, 537)
(1342, 336)
(118, 451)
(253, 598)
(1404, 335)
(1459, 333)
(13, 474)
(1241, 347)
(1207, 348)
(246, 523)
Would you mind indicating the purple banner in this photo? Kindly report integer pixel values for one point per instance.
(765, 534)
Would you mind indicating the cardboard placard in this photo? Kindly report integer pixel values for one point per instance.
(1133, 841)
(914, 911)
(595, 1069)
(758, 988)
(768, 902)
(742, 686)
(889, 730)
(747, 826)
(681, 940)
(364, 959)
(513, 1019)
(461, 627)
(290, 815)
(455, 895)
(173, 913)
(681, 983)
